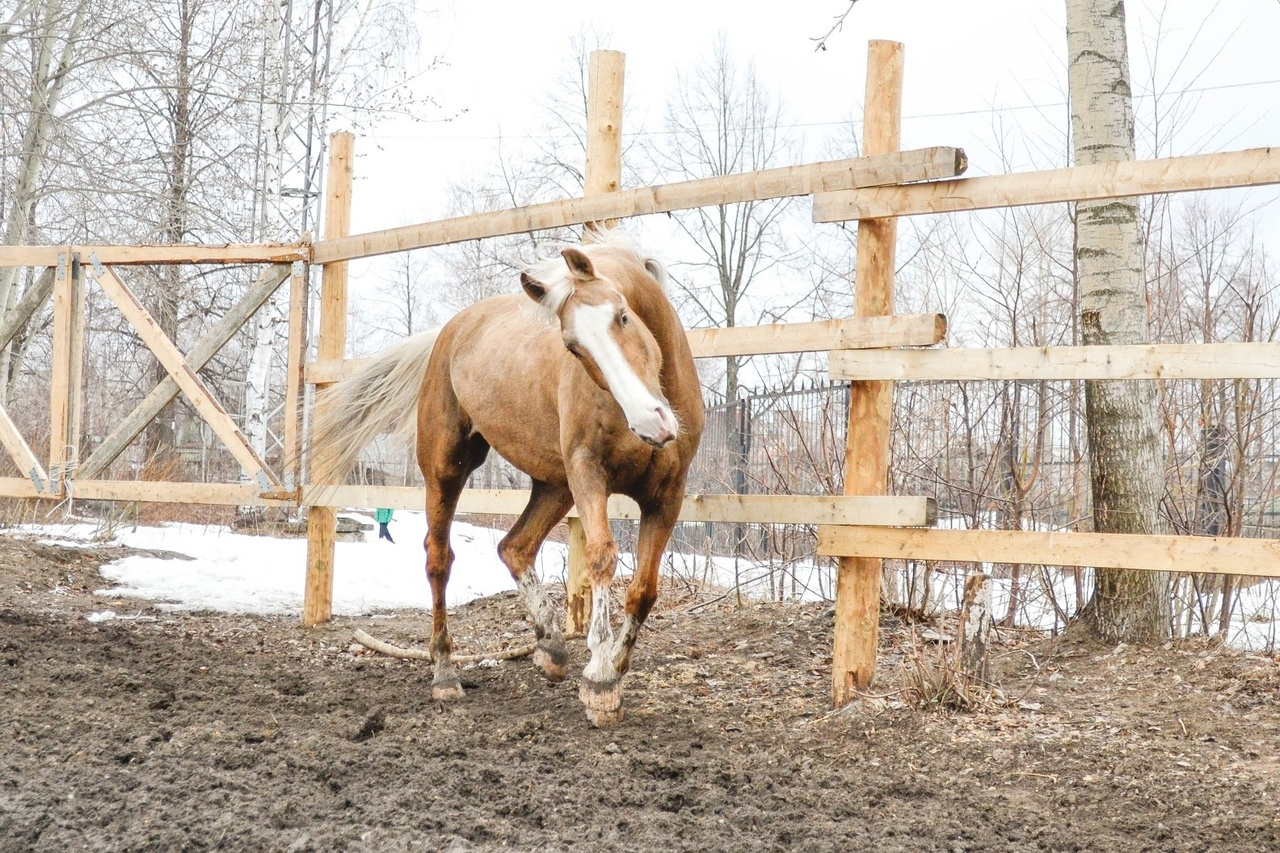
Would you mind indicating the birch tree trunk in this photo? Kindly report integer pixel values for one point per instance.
(1122, 422)
(49, 74)
(271, 323)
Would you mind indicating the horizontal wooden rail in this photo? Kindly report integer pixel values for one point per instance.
(1216, 554)
(1253, 167)
(1138, 361)
(903, 330)
(920, 165)
(746, 509)
(229, 253)
(216, 494)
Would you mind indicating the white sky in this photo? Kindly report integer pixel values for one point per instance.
(975, 72)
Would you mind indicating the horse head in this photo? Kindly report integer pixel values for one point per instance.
(615, 347)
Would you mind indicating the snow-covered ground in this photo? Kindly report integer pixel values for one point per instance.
(237, 573)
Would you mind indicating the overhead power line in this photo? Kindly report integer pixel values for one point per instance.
(549, 137)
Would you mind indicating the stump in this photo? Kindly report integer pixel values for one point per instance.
(975, 628)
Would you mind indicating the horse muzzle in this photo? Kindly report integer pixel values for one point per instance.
(658, 428)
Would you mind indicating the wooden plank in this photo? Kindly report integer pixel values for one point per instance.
(1132, 361)
(60, 373)
(201, 354)
(213, 494)
(866, 458)
(907, 330)
(225, 253)
(317, 600)
(20, 452)
(298, 292)
(33, 299)
(1250, 168)
(191, 384)
(745, 509)
(904, 330)
(921, 165)
(1216, 554)
(75, 371)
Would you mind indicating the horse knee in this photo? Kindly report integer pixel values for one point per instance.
(515, 557)
(439, 558)
(640, 600)
(602, 559)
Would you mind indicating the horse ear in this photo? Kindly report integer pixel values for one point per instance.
(579, 264)
(536, 290)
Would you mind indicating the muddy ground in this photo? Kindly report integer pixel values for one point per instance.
(199, 731)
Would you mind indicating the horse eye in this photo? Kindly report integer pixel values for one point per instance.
(622, 318)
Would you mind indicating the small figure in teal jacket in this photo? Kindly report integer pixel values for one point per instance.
(383, 517)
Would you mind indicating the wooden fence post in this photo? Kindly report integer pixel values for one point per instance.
(322, 521)
(603, 175)
(67, 366)
(299, 290)
(866, 459)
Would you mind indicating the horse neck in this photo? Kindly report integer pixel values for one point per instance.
(654, 309)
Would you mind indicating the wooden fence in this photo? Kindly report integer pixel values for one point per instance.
(860, 527)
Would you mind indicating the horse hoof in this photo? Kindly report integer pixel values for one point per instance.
(603, 703)
(551, 658)
(447, 690)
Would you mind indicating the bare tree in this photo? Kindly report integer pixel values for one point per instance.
(721, 121)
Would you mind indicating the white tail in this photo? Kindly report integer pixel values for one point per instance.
(380, 397)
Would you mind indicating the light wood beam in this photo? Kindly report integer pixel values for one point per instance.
(1216, 554)
(1254, 167)
(188, 381)
(922, 165)
(201, 354)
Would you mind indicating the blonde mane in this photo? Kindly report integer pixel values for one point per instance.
(554, 273)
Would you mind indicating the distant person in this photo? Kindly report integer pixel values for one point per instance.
(383, 517)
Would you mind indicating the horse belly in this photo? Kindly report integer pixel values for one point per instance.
(516, 416)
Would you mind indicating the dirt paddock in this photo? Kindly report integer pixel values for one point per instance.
(213, 732)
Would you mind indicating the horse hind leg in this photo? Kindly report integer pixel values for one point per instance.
(547, 505)
(442, 493)
(642, 592)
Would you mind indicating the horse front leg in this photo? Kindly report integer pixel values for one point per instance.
(601, 688)
(547, 505)
(655, 531)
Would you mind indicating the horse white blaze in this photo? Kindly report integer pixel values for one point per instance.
(647, 415)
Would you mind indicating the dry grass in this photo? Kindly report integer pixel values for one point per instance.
(932, 679)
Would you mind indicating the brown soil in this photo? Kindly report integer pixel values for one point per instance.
(213, 732)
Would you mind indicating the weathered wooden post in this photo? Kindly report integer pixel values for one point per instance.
(603, 175)
(322, 521)
(866, 459)
(67, 366)
(299, 276)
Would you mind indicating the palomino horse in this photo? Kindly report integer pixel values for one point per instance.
(590, 389)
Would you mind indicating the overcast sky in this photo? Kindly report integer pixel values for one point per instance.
(976, 73)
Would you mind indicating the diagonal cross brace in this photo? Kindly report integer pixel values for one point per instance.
(20, 451)
(190, 384)
(200, 355)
